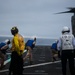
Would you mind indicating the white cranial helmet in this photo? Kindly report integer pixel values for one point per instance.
(65, 29)
(7, 40)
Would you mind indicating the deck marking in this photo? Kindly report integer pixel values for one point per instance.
(30, 66)
(41, 64)
(35, 73)
(8, 60)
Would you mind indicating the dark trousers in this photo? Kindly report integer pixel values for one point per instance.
(16, 65)
(67, 54)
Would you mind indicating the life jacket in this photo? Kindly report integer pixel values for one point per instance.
(30, 43)
(3, 50)
(18, 44)
(54, 46)
(2, 44)
(67, 42)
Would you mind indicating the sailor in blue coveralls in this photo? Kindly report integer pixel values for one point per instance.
(30, 44)
(54, 51)
(3, 47)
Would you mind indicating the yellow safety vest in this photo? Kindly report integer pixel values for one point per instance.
(18, 44)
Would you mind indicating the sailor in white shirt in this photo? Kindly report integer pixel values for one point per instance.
(66, 47)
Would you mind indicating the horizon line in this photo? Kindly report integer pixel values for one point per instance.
(29, 36)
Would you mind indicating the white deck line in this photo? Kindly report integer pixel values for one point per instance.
(41, 64)
(35, 73)
(30, 66)
(8, 60)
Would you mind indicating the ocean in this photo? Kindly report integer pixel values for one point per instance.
(39, 41)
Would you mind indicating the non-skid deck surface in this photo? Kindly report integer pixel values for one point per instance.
(42, 63)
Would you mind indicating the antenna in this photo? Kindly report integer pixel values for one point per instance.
(71, 10)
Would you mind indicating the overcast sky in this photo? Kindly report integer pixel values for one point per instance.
(35, 17)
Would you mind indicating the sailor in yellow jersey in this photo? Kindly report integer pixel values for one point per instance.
(18, 46)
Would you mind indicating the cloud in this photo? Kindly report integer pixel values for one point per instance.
(35, 17)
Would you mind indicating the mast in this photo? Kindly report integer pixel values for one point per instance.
(73, 24)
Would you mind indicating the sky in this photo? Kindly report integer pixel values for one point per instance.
(35, 17)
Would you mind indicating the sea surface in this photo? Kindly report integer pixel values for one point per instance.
(39, 41)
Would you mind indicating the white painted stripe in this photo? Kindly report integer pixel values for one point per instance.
(35, 73)
(30, 66)
(41, 64)
(36, 65)
(10, 53)
(6, 70)
(8, 60)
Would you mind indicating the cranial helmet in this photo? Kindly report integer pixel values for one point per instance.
(7, 41)
(14, 30)
(65, 29)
